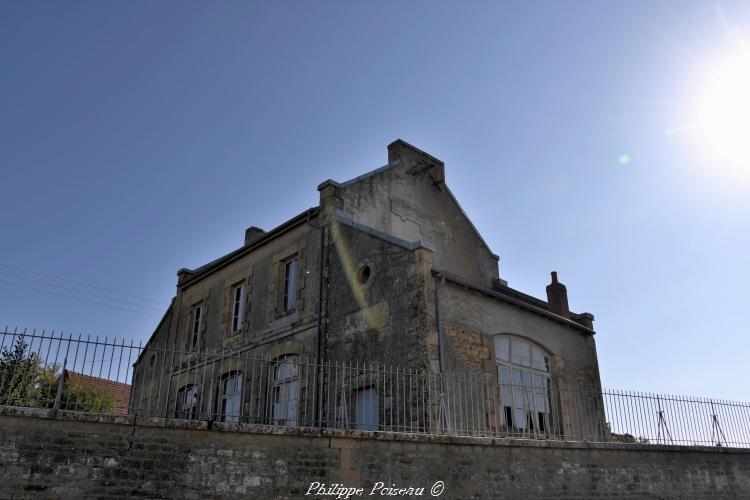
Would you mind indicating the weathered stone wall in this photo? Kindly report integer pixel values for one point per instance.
(380, 319)
(409, 200)
(73, 457)
(167, 364)
(472, 320)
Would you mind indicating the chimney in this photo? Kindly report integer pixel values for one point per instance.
(557, 297)
(252, 234)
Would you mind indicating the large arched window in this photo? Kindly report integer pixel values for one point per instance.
(285, 390)
(525, 385)
(230, 397)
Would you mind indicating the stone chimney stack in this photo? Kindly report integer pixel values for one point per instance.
(252, 234)
(557, 297)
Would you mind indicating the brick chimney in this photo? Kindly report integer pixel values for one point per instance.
(557, 297)
(252, 234)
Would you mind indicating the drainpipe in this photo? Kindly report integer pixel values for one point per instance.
(177, 311)
(439, 282)
(319, 346)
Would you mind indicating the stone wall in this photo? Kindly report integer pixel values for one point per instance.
(71, 456)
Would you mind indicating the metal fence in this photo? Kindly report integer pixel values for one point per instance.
(106, 376)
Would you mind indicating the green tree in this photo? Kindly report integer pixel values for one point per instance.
(82, 397)
(19, 375)
(26, 381)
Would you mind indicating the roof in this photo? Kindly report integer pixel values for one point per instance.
(120, 391)
(167, 315)
(520, 299)
(193, 274)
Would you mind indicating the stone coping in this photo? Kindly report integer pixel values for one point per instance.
(171, 423)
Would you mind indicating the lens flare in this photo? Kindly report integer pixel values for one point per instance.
(350, 271)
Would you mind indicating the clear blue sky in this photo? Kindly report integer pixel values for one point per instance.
(137, 138)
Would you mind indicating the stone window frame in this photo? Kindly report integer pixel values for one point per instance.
(278, 385)
(195, 330)
(289, 283)
(237, 297)
(276, 281)
(221, 396)
(181, 402)
(536, 422)
(242, 278)
(284, 350)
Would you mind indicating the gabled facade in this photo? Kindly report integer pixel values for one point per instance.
(387, 271)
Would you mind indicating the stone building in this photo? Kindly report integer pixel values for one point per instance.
(387, 278)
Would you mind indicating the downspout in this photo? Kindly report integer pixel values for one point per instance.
(440, 281)
(177, 311)
(319, 338)
(319, 346)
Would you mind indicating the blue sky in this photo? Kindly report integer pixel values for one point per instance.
(137, 138)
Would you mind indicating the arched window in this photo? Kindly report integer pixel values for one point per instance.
(187, 403)
(525, 385)
(230, 397)
(285, 390)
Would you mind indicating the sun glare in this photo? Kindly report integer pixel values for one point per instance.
(724, 113)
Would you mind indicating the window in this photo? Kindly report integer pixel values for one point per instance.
(363, 274)
(230, 397)
(525, 385)
(238, 307)
(290, 284)
(195, 326)
(285, 390)
(187, 403)
(366, 411)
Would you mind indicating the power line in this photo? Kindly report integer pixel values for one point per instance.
(79, 298)
(84, 284)
(80, 291)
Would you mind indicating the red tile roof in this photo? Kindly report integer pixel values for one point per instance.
(119, 390)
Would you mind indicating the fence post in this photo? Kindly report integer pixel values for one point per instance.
(60, 384)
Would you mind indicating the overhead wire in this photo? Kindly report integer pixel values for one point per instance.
(112, 299)
(79, 298)
(161, 303)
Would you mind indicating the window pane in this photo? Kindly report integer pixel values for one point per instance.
(519, 351)
(526, 378)
(505, 395)
(516, 377)
(237, 307)
(504, 375)
(196, 324)
(538, 360)
(290, 285)
(502, 348)
(366, 418)
(541, 393)
(286, 369)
